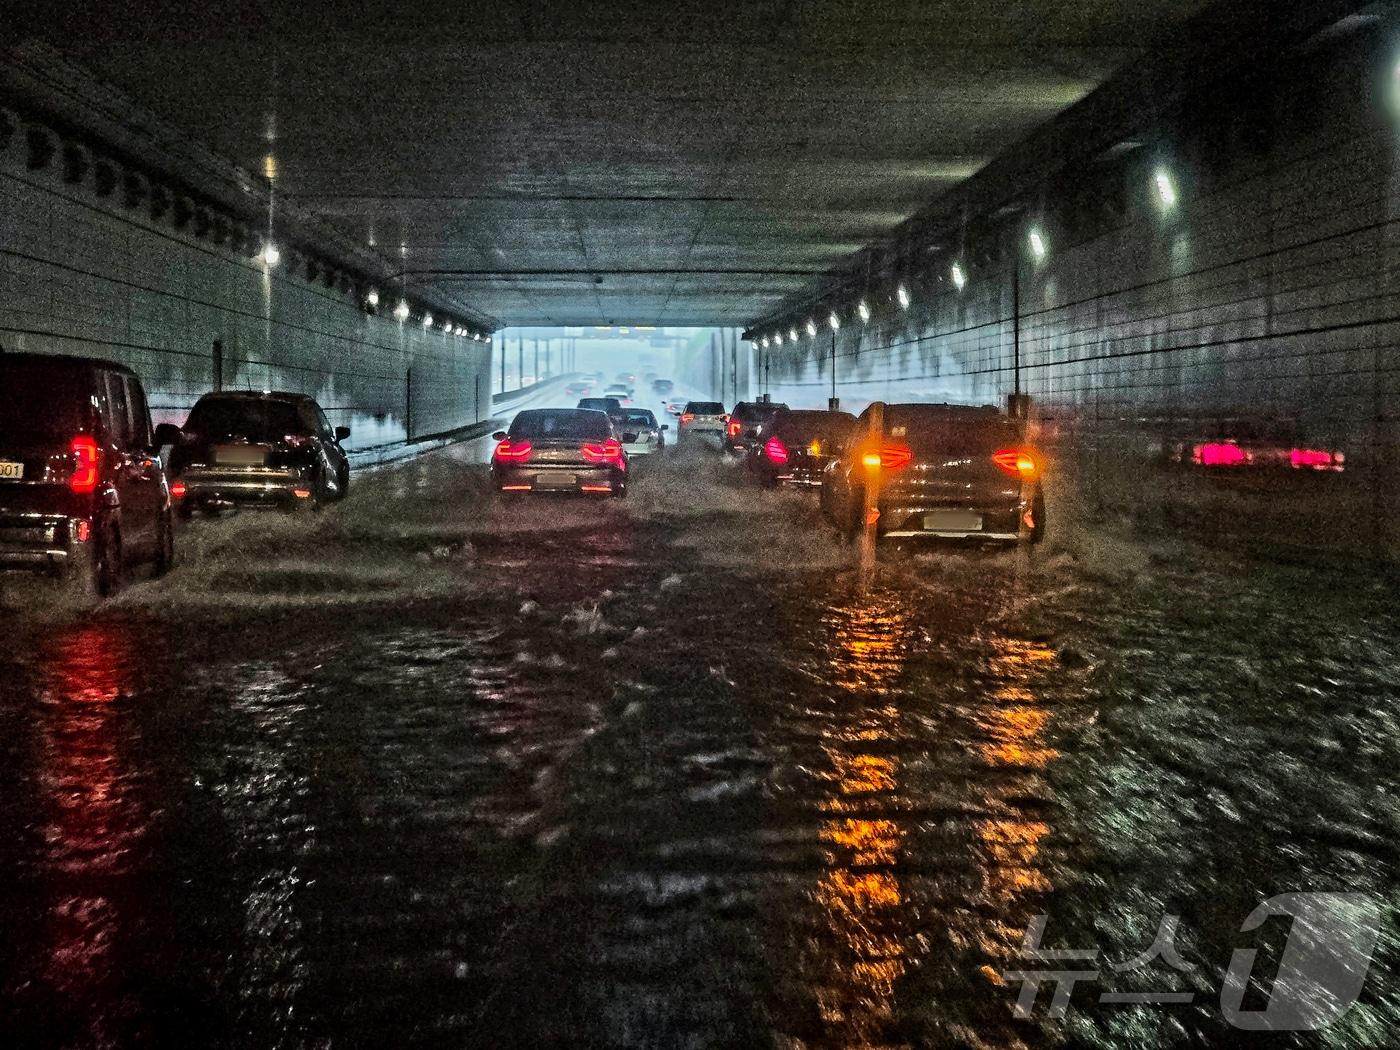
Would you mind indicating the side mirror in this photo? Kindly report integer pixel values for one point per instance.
(342, 433)
(665, 426)
(628, 438)
(499, 435)
(169, 434)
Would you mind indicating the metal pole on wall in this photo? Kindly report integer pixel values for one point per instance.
(478, 399)
(519, 361)
(536, 376)
(503, 366)
(734, 358)
(834, 403)
(218, 365)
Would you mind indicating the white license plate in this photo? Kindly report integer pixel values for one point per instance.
(952, 521)
(11, 471)
(240, 456)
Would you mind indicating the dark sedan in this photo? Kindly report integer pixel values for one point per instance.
(800, 444)
(944, 471)
(560, 450)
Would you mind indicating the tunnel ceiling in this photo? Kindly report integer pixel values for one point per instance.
(653, 162)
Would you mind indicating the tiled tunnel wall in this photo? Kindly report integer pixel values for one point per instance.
(86, 275)
(1256, 311)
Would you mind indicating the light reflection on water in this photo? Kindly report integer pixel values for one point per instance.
(95, 819)
(859, 891)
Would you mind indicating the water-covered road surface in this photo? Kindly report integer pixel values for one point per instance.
(430, 769)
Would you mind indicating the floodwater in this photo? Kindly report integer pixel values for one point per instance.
(432, 769)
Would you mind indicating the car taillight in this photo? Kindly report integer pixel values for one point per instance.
(610, 451)
(1316, 459)
(775, 450)
(178, 490)
(513, 451)
(86, 458)
(297, 440)
(894, 456)
(1220, 454)
(1015, 462)
(687, 417)
(734, 427)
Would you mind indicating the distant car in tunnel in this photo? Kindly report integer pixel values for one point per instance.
(611, 405)
(641, 433)
(702, 418)
(83, 495)
(799, 446)
(662, 387)
(746, 424)
(622, 393)
(560, 450)
(676, 406)
(578, 388)
(258, 449)
(944, 471)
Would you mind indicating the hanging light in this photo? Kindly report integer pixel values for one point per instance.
(834, 321)
(372, 297)
(777, 338)
(270, 255)
(864, 311)
(1166, 188)
(959, 278)
(427, 319)
(401, 311)
(1037, 240)
(792, 335)
(811, 328)
(902, 294)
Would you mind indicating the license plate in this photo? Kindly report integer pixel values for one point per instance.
(11, 471)
(240, 456)
(953, 521)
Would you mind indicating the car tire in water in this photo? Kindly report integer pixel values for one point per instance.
(343, 479)
(165, 545)
(106, 570)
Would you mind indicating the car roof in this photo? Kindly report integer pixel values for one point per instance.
(66, 361)
(943, 408)
(254, 395)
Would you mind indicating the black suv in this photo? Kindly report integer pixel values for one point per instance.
(242, 448)
(746, 423)
(82, 490)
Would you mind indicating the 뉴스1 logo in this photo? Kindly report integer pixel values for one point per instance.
(1320, 975)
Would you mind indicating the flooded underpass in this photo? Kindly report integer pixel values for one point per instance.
(438, 769)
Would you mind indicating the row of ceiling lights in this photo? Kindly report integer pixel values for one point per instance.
(1163, 185)
(271, 256)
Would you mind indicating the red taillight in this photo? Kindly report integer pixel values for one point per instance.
(513, 451)
(1220, 454)
(687, 417)
(297, 440)
(1316, 459)
(610, 451)
(85, 464)
(775, 450)
(734, 427)
(1016, 462)
(177, 490)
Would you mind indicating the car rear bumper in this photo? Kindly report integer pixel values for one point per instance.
(994, 524)
(245, 486)
(39, 542)
(563, 478)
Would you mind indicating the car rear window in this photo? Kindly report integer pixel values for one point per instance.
(804, 426)
(42, 400)
(600, 404)
(257, 419)
(644, 418)
(560, 425)
(757, 410)
(705, 408)
(952, 433)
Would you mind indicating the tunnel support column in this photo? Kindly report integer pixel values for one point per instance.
(872, 465)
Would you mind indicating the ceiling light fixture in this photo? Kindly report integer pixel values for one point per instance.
(834, 321)
(372, 298)
(1037, 244)
(270, 255)
(401, 311)
(959, 278)
(1166, 189)
(902, 294)
(811, 328)
(864, 311)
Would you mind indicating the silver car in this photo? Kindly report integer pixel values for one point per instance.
(640, 425)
